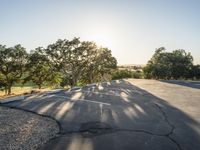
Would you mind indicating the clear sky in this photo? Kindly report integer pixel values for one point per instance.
(132, 29)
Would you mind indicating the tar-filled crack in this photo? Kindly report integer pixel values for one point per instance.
(99, 131)
(96, 131)
(171, 125)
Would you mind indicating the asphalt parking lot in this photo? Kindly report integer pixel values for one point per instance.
(122, 115)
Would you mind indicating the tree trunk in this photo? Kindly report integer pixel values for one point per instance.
(102, 76)
(73, 82)
(91, 77)
(6, 90)
(39, 86)
(9, 89)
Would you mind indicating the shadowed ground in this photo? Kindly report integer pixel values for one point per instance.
(124, 114)
(192, 84)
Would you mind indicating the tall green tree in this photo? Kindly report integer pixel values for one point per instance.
(195, 72)
(66, 57)
(13, 61)
(2, 82)
(158, 66)
(80, 60)
(40, 69)
(105, 61)
(100, 64)
(168, 65)
(90, 72)
(181, 63)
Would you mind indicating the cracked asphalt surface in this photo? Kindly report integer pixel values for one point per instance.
(122, 115)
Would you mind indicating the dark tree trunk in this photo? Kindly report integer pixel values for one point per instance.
(6, 90)
(73, 82)
(9, 89)
(102, 76)
(91, 78)
(39, 86)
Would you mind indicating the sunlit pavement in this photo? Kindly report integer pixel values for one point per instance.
(123, 115)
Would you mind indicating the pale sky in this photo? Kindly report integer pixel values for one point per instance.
(132, 29)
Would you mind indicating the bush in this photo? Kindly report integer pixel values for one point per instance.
(137, 74)
(120, 74)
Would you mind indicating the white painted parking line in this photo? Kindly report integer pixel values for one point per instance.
(125, 90)
(129, 90)
(101, 109)
(86, 91)
(101, 103)
(85, 100)
(110, 94)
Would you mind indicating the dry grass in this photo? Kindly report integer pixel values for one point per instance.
(18, 90)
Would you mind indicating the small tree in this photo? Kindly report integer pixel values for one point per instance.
(12, 60)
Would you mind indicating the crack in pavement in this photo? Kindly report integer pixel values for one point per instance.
(171, 125)
(89, 133)
(98, 130)
(95, 132)
(166, 119)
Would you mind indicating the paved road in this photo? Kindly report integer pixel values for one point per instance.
(122, 115)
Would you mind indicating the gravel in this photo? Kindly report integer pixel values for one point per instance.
(20, 130)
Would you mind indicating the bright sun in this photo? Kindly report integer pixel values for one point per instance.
(103, 35)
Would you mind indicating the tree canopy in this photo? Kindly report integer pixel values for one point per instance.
(65, 62)
(169, 65)
(40, 69)
(12, 60)
(80, 61)
(75, 62)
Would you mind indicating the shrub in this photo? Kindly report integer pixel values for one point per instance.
(120, 74)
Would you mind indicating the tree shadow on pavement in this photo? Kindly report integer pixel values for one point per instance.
(191, 84)
(115, 115)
